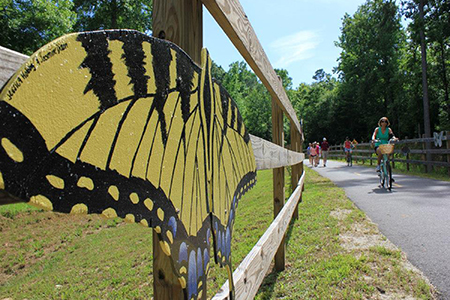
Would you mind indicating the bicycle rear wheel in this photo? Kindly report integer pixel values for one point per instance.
(351, 160)
(389, 170)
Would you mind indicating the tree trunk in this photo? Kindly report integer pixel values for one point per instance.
(426, 101)
(444, 78)
(114, 14)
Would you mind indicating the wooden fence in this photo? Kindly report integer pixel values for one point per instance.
(180, 21)
(407, 151)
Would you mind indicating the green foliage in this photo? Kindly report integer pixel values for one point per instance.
(114, 14)
(250, 95)
(28, 25)
(380, 74)
(368, 67)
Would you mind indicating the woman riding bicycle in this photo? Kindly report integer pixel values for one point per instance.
(348, 148)
(381, 137)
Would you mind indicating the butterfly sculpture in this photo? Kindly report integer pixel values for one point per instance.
(122, 124)
(438, 137)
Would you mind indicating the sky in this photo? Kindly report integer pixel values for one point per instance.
(297, 35)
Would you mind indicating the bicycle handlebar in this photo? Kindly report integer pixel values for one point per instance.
(391, 141)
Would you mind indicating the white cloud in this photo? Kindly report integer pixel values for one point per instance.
(295, 47)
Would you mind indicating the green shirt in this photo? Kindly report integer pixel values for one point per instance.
(384, 138)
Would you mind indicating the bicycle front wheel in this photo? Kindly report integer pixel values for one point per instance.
(382, 177)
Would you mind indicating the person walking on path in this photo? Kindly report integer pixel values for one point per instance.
(313, 153)
(317, 161)
(309, 153)
(325, 148)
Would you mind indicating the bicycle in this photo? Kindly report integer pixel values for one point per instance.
(350, 159)
(386, 179)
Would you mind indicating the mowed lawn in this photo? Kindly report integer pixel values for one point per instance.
(47, 255)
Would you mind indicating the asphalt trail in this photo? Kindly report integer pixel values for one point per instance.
(415, 216)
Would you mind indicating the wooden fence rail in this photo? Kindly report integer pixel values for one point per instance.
(410, 149)
(180, 21)
(251, 272)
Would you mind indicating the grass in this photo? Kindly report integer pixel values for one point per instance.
(10, 211)
(47, 255)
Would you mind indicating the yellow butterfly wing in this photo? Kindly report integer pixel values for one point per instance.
(119, 123)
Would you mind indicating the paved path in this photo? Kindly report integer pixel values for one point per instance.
(415, 216)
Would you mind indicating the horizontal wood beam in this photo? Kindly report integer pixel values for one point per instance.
(10, 61)
(251, 272)
(269, 155)
(230, 15)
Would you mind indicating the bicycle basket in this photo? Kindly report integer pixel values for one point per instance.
(386, 148)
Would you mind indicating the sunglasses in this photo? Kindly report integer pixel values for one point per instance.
(383, 121)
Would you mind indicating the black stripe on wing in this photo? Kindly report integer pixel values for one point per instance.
(102, 82)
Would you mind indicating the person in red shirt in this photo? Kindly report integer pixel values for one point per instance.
(325, 147)
(317, 160)
(347, 147)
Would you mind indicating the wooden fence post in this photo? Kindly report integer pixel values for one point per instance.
(295, 169)
(393, 160)
(165, 283)
(407, 157)
(278, 179)
(370, 157)
(424, 158)
(181, 22)
(448, 148)
(407, 164)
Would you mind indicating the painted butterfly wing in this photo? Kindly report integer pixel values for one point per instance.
(119, 123)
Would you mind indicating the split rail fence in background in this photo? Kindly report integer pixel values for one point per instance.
(180, 21)
(407, 151)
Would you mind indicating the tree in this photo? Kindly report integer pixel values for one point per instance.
(27, 25)
(368, 67)
(438, 26)
(250, 95)
(320, 76)
(113, 14)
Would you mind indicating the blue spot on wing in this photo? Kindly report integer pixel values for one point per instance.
(173, 224)
(192, 276)
(183, 253)
(199, 263)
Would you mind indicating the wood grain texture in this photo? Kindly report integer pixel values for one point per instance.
(165, 283)
(230, 15)
(278, 180)
(251, 272)
(10, 61)
(180, 22)
(269, 155)
(295, 169)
